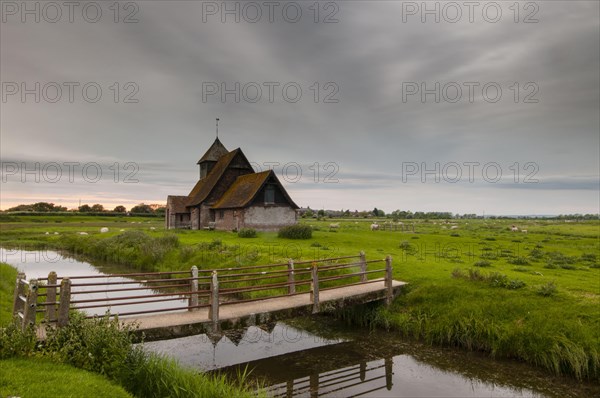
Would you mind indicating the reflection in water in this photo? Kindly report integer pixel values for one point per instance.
(214, 351)
(359, 380)
(380, 364)
(349, 369)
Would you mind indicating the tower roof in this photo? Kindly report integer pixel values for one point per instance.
(215, 151)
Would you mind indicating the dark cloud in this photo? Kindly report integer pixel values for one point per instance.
(369, 55)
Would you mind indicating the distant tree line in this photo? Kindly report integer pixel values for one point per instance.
(44, 207)
(430, 215)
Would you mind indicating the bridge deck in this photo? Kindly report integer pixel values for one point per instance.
(236, 315)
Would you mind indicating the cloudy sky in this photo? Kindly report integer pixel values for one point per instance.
(438, 106)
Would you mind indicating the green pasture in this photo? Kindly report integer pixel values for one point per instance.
(475, 284)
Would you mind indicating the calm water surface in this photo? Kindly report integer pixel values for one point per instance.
(292, 361)
(39, 263)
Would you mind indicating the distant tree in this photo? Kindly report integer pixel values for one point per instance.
(161, 210)
(97, 208)
(308, 213)
(321, 213)
(85, 208)
(120, 209)
(20, 208)
(42, 207)
(378, 213)
(142, 208)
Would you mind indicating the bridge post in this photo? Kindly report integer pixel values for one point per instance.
(30, 305)
(363, 266)
(389, 295)
(389, 372)
(363, 371)
(291, 280)
(314, 385)
(51, 297)
(314, 288)
(193, 300)
(64, 302)
(19, 292)
(213, 310)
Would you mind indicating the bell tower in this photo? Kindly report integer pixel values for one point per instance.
(211, 157)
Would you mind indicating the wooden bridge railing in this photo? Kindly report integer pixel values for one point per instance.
(56, 296)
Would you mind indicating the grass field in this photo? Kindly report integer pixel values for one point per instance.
(39, 378)
(473, 284)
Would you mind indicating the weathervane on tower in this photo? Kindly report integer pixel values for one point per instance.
(217, 127)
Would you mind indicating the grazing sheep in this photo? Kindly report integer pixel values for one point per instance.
(83, 233)
(454, 227)
(152, 228)
(524, 231)
(121, 230)
(514, 228)
(334, 226)
(374, 227)
(103, 230)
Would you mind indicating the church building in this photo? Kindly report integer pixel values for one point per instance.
(229, 196)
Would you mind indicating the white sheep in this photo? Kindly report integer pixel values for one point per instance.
(103, 230)
(454, 227)
(83, 233)
(374, 227)
(334, 226)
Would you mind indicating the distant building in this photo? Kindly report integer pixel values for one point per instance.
(229, 195)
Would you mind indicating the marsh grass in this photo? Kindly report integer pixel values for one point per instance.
(558, 332)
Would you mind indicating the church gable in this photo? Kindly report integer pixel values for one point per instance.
(273, 193)
(223, 174)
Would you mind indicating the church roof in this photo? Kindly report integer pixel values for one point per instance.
(246, 187)
(204, 186)
(178, 203)
(214, 153)
(243, 190)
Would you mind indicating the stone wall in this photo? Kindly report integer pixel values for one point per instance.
(228, 222)
(267, 218)
(194, 218)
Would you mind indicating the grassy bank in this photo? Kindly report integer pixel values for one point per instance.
(101, 353)
(38, 378)
(7, 285)
(533, 296)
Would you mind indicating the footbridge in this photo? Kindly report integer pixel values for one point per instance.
(172, 304)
